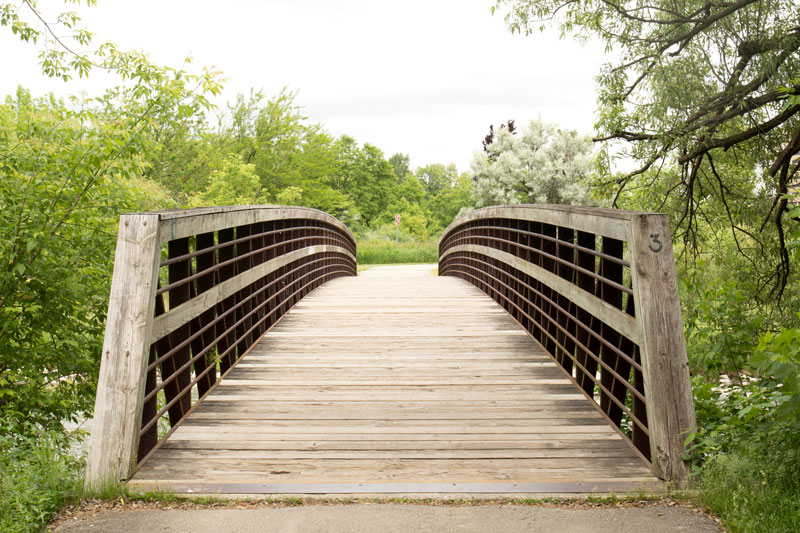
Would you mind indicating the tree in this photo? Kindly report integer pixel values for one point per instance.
(400, 164)
(489, 139)
(696, 85)
(68, 170)
(541, 165)
(67, 173)
(413, 221)
(365, 176)
(437, 177)
(445, 206)
(235, 183)
(279, 137)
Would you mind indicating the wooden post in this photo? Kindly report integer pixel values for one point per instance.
(668, 389)
(120, 389)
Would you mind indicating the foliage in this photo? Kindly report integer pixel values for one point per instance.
(449, 203)
(67, 173)
(37, 477)
(754, 488)
(382, 251)
(541, 165)
(735, 64)
(289, 196)
(721, 323)
(436, 177)
(489, 139)
(745, 452)
(777, 359)
(412, 220)
(400, 164)
(235, 183)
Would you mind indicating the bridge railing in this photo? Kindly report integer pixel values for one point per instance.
(597, 288)
(192, 291)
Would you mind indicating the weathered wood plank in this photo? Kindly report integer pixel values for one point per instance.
(184, 223)
(670, 407)
(613, 223)
(120, 389)
(182, 314)
(576, 445)
(617, 319)
(395, 376)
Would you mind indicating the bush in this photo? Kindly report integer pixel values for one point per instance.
(37, 478)
(754, 487)
(383, 251)
(746, 459)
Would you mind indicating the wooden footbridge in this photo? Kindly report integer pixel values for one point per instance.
(243, 356)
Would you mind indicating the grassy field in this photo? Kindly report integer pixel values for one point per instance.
(382, 252)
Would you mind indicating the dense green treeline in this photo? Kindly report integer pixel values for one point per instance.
(264, 151)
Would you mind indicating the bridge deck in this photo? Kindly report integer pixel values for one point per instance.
(396, 381)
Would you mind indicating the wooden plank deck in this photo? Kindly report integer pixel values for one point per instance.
(397, 381)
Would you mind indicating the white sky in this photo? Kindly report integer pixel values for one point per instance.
(425, 78)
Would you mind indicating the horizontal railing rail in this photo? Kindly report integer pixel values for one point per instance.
(597, 289)
(192, 292)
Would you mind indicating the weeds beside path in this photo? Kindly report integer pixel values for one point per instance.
(175, 514)
(381, 252)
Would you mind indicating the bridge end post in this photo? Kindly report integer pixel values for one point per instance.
(120, 389)
(670, 407)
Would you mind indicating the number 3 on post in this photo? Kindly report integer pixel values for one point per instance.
(658, 244)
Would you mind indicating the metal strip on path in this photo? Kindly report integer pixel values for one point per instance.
(554, 487)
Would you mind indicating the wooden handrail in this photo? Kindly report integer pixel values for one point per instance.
(228, 274)
(597, 288)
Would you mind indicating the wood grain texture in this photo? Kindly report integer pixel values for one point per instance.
(396, 376)
(185, 312)
(613, 316)
(179, 223)
(120, 389)
(613, 223)
(668, 389)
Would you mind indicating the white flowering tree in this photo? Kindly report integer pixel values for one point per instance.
(543, 164)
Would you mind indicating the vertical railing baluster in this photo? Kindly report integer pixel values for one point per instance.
(243, 311)
(609, 270)
(566, 320)
(225, 272)
(204, 261)
(640, 439)
(178, 387)
(548, 247)
(150, 407)
(587, 322)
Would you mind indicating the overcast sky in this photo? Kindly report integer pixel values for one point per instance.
(425, 78)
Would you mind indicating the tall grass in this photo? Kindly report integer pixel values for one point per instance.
(382, 252)
(37, 478)
(754, 487)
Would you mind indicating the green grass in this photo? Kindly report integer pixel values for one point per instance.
(37, 478)
(754, 488)
(382, 252)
